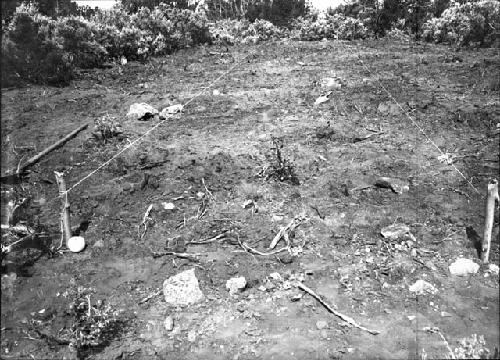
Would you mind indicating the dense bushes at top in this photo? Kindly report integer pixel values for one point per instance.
(328, 26)
(470, 23)
(46, 49)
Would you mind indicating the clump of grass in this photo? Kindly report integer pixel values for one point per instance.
(249, 191)
(95, 322)
(473, 347)
(281, 168)
(106, 128)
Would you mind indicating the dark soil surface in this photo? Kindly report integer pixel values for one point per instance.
(219, 153)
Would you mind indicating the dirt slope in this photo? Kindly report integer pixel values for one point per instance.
(229, 140)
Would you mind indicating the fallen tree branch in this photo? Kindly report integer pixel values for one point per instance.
(189, 256)
(333, 311)
(44, 152)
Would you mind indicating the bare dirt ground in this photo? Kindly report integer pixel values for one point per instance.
(228, 139)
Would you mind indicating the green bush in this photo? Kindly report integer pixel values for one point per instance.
(78, 38)
(471, 23)
(31, 50)
(335, 26)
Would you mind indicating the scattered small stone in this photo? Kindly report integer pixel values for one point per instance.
(141, 111)
(462, 267)
(236, 284)
(387, 311)
(248, 204)
(285, 258)
(421, 287)
(191, 335)
(396, 231)
(411, 317)
(493, 269)
(99, 244)
(331, 84)
(168, 205)
(169, 323)
(262, 288)
(296, 297)
(389, 108)
(324, 334)
(276, 276)
(396, 185)
(168, 111)
(321, 324)
(445, 314)
(182, 289)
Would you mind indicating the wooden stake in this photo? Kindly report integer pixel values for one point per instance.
(66, 226)
(488, 221)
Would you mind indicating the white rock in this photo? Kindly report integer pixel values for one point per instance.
(169, 323)
(168, 205)
(169, 111)
(216, 92)
(321, 324)
(76, 244)
(276, 276)
(247, 204)
(236, 284)
(141, 111)
(182, 289)
(462, 267)
(493, 268)
(421, 287)
(191, 336)
(395, 231)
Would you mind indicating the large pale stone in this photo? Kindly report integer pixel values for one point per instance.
(182, 289)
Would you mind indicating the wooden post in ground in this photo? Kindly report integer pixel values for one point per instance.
(66, 226)
(488, 221)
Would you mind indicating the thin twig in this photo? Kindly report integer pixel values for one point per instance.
(206, 241)
(145, 221)
(333, 311)
(254, 251)
(150, 296)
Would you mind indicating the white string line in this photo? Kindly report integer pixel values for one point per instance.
(415, 123)
(140, 138)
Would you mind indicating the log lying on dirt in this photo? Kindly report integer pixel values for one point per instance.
(488, 221)
(333, 311)
(51, 148)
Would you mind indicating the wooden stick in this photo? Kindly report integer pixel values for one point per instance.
(488, 221)
(52, 147)
(65, 206)
(333, 311)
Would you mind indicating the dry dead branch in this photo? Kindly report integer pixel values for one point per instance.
(188, 256)
(213, 239)
(333, 311)
(145, 221)
(488, 221)
(51, 148)
(285, 231)
(251, 250)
